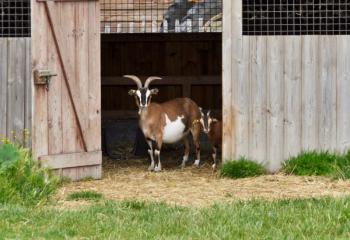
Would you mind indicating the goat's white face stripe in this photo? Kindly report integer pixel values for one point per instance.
(148, 93)
(143, 94)
(173, 131)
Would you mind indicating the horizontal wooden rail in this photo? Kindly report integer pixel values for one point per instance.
(161, 37)
(71, 160)
(192, 80)
(67, 0)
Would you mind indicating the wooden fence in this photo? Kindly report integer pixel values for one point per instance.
(15, 86)
(289, 93)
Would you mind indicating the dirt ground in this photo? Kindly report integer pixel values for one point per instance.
(129, 179)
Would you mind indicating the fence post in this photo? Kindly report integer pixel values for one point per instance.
(154, 24)
(200, 25)
(131, 27)
(189, 25)
(119, 28)
(107, 28)
(177, 25)
(165, 26)
(143, 24)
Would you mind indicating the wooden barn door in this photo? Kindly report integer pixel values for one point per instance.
(66, 112)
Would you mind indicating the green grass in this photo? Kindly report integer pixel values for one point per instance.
(22, 181)
(298, 219)
(241, 168)
(84, 195)
(319, 164)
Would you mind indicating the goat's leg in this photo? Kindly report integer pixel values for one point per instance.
(195, 133)
(214, 157)
(150, 152)
(187, 152)
(158, 166)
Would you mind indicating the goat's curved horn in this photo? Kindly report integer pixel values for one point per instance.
(151, 79)
(135, 79)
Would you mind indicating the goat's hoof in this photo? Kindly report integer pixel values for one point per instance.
(151, 168)
(196, 163)
(157, 169)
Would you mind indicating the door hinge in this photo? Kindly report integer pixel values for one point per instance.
(43, 77)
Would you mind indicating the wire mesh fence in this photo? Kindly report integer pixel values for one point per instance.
(296, 17)
(14, 18)
(161, 16)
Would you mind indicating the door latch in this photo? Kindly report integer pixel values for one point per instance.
(43, 77)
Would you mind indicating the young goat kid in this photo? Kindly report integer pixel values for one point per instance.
(213, 129)
(167, 122)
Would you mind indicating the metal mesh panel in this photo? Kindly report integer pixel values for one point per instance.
(14, 18)
(296, 17)
(161, 16)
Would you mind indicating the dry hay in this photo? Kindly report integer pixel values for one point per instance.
(125, 180)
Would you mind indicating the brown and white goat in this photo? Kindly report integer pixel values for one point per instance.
(213, 129)
(167, 122)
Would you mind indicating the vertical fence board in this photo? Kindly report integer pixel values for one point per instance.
(257, 128)
(3, 86)
(28, 91)
(292, 96)
(241, 100)
(227, 81)
(54, 99)
(275, 99)
(15, 87)
(240, 81)
(309, 92)
(94, 73)
(327, 92)
(40, 32)
(343, 89)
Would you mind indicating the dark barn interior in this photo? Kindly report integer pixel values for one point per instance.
(190, 64)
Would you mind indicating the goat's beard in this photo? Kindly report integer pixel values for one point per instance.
(141, 109)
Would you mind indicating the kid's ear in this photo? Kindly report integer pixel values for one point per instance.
(132, 92)
(154, 91)
(201, 110)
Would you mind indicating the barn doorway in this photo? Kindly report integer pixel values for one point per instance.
(178, 40)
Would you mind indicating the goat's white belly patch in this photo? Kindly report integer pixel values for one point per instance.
(173, 131)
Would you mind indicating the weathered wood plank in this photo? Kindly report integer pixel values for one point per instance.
(93, 89)
(71, 160)
(275, 102)
(343, 89)
(309, 92)
(327, 92)
(69, 127)
(40, 31)
(81, 62)
(54, 98)
(28, 92)
(292, 96)
(66, 63)
(241, 99)
(94, 84)
(3, 86)
(15, 87)
(240, 81)
(258, 118)
(228, 20)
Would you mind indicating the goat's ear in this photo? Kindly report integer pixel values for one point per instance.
(154, 91)
(214, 120)
(201, 110)
(132, 92)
